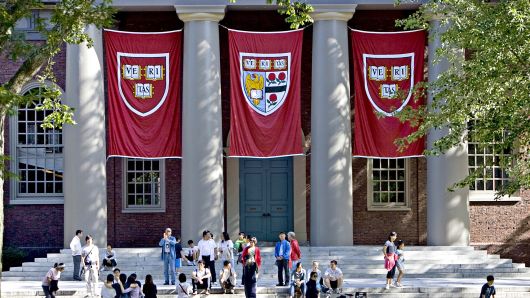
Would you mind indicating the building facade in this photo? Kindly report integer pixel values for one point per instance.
(326, 196)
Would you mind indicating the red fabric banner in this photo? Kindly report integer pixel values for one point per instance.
(265, 93)
(386, 68)
(144, 93)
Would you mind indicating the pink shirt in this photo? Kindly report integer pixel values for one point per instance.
(52, 274)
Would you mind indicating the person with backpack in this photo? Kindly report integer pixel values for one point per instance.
(200, 278)
(90, 261)
(50, 283)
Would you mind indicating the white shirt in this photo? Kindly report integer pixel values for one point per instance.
(226, 248)
(207, 248)
(183, 290)
(190, 250)
(107, 292)
(53, 274)
(75, 246)
(91, 253)
(333, 274)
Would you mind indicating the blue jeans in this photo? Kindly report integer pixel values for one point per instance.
(302, 288)
(169, 267)
(47, 292)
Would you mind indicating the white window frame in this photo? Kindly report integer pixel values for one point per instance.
(14, 197)
(386, 206)
(485, 195)
(144, 209)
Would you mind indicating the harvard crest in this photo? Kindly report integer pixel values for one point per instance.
(143, 81)
(265, 80)
(388, 81)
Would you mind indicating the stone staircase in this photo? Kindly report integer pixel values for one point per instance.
(362, 266)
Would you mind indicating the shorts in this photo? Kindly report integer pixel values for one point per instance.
(178, 263)
(333, 284)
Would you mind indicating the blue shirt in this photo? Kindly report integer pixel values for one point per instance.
(283, 249)
(487, 290)
(171, 242)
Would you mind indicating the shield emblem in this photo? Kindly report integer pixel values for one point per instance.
(388, 81)
(143, 81)
(265, 80)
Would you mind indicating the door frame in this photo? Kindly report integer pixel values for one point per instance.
(299, 197)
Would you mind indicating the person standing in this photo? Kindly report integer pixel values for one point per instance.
(168, 255)
(208, 253)
(90, 260)
(226, 249)
(239, 245)
(250, 276)
(296, 254)
(50, 283)
(282, 253)
(389, 253)
(149, 289)
(76, 247)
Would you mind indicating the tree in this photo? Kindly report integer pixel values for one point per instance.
(484, 96)
(296, 12)
(66, 25)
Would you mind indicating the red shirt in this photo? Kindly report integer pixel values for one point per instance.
(296, 254)
(257, 255)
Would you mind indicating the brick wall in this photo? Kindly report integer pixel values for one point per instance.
(141, 229)
(34, 228)
(502, 227)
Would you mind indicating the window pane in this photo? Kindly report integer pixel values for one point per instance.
(142, 183)
(388, 181)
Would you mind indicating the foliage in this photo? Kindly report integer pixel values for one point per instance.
(66, 25)
(12, 256)
(484, 95)
(297, 12)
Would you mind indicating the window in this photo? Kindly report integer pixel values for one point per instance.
(144, 185)
(387, 184)
(38, 156)
(492, 176)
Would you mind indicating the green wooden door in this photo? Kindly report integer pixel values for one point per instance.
(266, 196)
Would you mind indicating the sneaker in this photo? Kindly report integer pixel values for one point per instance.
(279, 284)
(387, 286)
(166, 283)
(392, 285)
(399, 285)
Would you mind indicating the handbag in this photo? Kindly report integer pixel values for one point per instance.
(54, 285)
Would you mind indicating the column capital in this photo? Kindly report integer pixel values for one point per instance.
(333, 12)
(188, 13)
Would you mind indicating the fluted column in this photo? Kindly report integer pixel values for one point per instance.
(85, 195)
(202, 148)
(447, 212)
(331, 167)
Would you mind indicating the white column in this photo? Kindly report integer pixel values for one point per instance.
(447, 212)
(331, 168)
(202, 148)
(85, 195)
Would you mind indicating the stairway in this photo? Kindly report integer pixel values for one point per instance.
(362, 267)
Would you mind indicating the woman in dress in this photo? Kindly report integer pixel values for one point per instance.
(226, 249)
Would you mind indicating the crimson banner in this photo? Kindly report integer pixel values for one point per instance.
(386, 68)
(144, 93)
(265, 93)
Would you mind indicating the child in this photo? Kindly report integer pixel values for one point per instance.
(191, 253)
(183, 288)
(178, 255)
(107, 291)
(312, 286)
(400, 262)
(149, 288)
(488, 290)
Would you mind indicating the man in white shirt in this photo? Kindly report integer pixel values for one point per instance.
(208, 253)
(90, 259)
(75, 246)
(333, 277)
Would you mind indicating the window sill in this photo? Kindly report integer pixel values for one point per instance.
(389, 208)
(37, 201)
(143, 210)
(490, 197)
